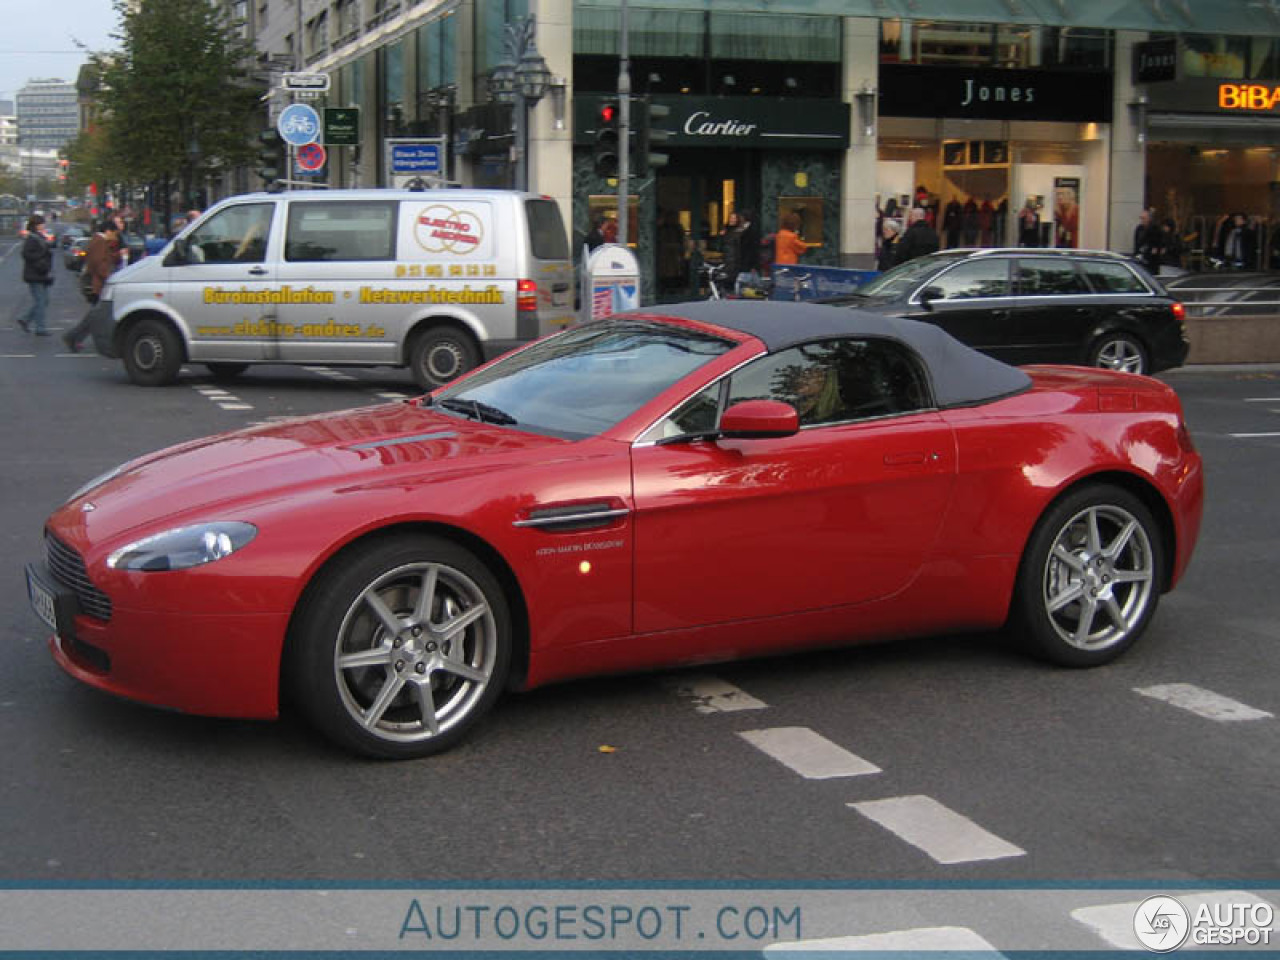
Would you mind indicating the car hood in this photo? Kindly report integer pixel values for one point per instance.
(227, 474)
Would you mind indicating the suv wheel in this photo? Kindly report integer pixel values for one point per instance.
(1119, 351)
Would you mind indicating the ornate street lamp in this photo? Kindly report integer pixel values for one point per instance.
(521, 79)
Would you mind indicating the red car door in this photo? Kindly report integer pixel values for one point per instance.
(843, 512)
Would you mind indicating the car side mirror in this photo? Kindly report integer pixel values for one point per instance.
(758, 420)
(929, 294)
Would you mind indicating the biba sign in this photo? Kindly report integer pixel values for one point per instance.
(1247, 96)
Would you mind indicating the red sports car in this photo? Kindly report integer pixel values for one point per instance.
(676, 485)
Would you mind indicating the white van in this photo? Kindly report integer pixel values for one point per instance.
(435, 280)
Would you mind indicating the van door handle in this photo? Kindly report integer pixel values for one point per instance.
(258, 272)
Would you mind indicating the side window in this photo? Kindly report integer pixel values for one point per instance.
(984, 277)
(1046, 277)
(1112, 278)
(235, 235)
(547, 238)
(698, 415)
(340, 230)
(836, 381)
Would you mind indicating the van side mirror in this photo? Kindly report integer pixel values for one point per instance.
(179, 253)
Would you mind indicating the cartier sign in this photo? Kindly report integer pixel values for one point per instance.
(759, 123)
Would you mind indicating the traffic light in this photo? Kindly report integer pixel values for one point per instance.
(271, 155)
(605, 152)
(647, 121)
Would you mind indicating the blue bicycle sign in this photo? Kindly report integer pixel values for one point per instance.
(299, 124)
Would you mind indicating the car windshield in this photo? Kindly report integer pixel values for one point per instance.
(904, 278)
(584, 381)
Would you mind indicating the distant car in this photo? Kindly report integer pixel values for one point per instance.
(1026, 305)
(1228, 293)
(671, 486)
(136, 245)
(68, 233)
(74, 256)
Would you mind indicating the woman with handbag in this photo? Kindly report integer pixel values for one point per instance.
(37, 274)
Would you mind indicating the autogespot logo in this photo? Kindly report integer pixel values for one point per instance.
(1161, 924)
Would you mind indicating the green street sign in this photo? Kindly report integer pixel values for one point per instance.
(341, 126)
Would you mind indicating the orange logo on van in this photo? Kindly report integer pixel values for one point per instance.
(442, 229)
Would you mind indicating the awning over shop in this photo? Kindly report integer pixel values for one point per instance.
(1235, 17)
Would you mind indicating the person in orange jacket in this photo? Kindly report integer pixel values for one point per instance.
(787, 245)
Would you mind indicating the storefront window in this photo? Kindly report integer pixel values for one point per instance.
(491, 17)
(749, 37)
(437, 53)
(933, 42)
(651, 33)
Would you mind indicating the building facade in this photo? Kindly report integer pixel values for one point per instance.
(1009, 121)
(48, 114)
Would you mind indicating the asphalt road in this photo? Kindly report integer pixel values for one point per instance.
(1034, 774)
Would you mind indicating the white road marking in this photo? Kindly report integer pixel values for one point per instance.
(393, 396)
(919, 939)
(943, 834)
(236, 406)
(1262, 399)
(1203, 702)
(17, 356)
(808, 753)
(713, 695)
(211, 391)
(1246, 436)
(1113, 922)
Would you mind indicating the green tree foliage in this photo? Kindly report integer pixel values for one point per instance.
(176, 100)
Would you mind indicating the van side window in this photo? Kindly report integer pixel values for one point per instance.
(235, 235)
(340, 230)
(547, 239)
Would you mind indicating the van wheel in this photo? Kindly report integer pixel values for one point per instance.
(441, 354)
(152, 353)
(225, 371)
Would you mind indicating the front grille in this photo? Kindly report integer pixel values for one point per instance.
(68, 569)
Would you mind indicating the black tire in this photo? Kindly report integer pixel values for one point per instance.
(1088, 610)
(152, 353)
(226, 371)
(375, 705)
(1119, 351)
(440, 354)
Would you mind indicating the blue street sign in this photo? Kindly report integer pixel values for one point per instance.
(415, 158)
(299, 124)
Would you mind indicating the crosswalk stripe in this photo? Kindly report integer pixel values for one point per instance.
(1204, 703)
(950, 939)
(236, 406)
(808, 753)
(946, 836)
(713, 695)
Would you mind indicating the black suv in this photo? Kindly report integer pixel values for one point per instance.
(1028, 305)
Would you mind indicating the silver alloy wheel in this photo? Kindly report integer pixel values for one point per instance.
(1120, 354)
(148, 352)
(415, 652)
(445, 361)
(1099, 579)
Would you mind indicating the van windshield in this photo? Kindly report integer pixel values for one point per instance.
(584, 381)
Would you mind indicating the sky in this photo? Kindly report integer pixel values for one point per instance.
(38, 39)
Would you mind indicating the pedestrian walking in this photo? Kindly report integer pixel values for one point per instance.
(888, 242)
(920, 238)
(37, 274)
(101, 260)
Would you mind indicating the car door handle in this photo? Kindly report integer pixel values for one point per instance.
(905, 459)
(258, 272)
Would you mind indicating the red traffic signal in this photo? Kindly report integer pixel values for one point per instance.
(608, 112)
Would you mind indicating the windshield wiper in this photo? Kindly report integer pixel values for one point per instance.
(479, 411)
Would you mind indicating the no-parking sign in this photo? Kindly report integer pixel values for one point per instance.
(311, 157)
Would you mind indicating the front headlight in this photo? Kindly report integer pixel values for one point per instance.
(184, 547)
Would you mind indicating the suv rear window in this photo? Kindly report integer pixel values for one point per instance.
(1046, 277)
(546, 230)
(1112, 278)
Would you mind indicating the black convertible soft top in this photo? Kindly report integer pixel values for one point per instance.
(961, 375)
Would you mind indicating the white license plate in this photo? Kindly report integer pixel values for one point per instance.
(42, 602)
